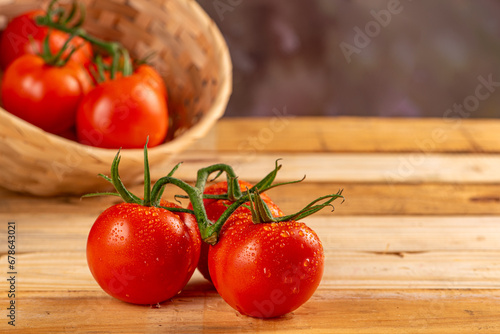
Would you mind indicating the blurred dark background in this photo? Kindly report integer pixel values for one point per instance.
(362, 57)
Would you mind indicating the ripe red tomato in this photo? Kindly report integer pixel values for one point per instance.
(214, 209)
(143, 255)
(122, 113)
(46, 96)
(265, 270)
(23, 36)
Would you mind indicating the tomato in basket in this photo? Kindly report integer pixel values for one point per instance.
(45, 95)
(124, 111)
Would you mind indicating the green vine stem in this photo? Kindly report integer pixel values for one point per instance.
(210, 230)
(55, 18)
(261, 213)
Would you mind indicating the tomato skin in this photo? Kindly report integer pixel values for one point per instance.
(153, 78)
(23, 36)
(142, 255)
(266, 270)
(214, 209)
(122, 113)
(46, 96)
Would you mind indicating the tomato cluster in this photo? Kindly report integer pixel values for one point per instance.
(263, 263)
(54, 77)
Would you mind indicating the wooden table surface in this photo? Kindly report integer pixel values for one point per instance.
(414, 249)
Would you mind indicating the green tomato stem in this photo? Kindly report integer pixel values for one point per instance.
(196, 198)
(147, 177)
(262, 214)
(233, 186)
(114, 49)
(118, 184)
(210, 230)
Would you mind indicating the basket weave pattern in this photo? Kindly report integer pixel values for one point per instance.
(191, 56)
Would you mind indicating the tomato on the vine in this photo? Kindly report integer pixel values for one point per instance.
(265, 270)
(143, 251)
(143, 255)
(45, 95)
(23, 36)
(123, 112)
(263, 263)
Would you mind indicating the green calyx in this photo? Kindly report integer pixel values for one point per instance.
(152, 195)
(71, 22)
(262, 214)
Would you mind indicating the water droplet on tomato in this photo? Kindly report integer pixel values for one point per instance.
(122, 238)
(307, 262)
(285, 234)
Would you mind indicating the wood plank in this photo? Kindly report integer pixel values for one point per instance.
(362, 199)
(394, 199)
(407, 235)
(343, 269)
(201, 310)
(355, 167)
(383, 235)
(432, 270)
(351, 134)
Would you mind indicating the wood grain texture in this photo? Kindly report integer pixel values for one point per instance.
(351, 134)
(363, 199)
(361, 252)
(415, 248)
(200, 310)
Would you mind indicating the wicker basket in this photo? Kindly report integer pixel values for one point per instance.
(193, 59)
